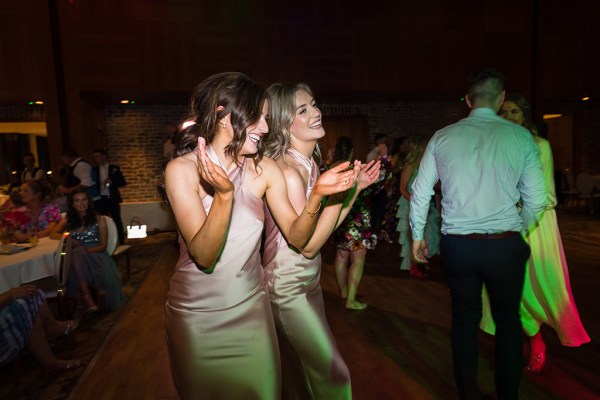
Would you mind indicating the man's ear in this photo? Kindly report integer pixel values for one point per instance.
(501, 98)
(468, 101)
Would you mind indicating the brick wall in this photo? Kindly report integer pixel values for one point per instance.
(402, 118)
(135, 138)
(135, 134)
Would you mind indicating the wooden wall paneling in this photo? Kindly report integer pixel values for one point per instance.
(353, 126)
(560, 136)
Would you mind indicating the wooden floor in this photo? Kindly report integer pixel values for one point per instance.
(398, 348)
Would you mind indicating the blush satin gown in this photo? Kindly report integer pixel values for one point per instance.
(312, 366)
(547, 296)
(220, 330)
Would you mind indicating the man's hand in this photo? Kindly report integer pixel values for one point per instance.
(419, 251)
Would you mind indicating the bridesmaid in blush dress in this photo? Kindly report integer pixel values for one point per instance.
(220, 330)
(312, 366)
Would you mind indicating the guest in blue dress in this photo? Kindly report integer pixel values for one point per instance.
(90, 265)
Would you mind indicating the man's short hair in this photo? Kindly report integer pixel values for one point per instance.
(101, 151)
(485, 85)
(28, 155)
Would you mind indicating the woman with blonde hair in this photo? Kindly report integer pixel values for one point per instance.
(312, 366)
(432, 234)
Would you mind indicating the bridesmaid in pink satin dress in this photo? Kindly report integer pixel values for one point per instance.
(220, 331)
(312, 366)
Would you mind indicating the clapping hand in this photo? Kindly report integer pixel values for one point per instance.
(368, 174)
(210, 172)
(336, 179)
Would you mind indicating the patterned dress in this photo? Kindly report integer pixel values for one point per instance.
(19, 219)
(547, 297)
(355, 232)
(220, 330)
(97, 269)
(312, 366)
(16, 325)
(432, 233)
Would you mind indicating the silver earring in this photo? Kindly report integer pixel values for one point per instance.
(223, 125)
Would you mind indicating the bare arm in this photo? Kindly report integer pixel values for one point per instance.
(404, 179)
(58, 229)
(297, 228)
(338, 206)
(204, 234)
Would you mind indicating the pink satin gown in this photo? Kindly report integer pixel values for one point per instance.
(220, 330)
(312, 366)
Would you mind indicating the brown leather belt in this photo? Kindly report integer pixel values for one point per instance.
(487, 236)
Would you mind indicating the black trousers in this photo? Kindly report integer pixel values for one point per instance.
(500, 264)
(108, 206)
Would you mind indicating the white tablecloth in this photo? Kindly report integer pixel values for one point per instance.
(29, 265)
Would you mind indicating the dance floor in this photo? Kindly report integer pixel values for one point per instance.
(398, 348)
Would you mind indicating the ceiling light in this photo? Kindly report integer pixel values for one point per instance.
(550, 116)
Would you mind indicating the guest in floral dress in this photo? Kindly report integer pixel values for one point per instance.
(38, 214)
(354, 236)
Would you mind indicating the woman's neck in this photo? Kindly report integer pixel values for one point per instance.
(219, 149)
(306, 148)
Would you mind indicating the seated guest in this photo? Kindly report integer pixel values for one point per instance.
(31, 172)
(26, 322)
(13, 201)
(38, 214)
(90, 265)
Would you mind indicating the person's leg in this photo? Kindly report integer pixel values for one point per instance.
(40, 349)
(115, 212)
(341, 271)
(101, 206)
(461, 268)
(53, 327)
(78, 269)
(357, 264)
(504, 273)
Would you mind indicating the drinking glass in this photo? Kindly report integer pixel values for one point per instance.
(33, 238)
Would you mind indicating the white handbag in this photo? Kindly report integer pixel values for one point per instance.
(135, 229)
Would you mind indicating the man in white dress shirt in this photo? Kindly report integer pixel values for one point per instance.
(486, 165)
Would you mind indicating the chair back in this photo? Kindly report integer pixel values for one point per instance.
(113, 237)
(569, 178)
(62, 258)
(585, 183)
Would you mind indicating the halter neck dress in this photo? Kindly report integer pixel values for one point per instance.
(220, 330)
(312, 366)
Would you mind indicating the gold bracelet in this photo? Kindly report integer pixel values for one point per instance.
(312, 214)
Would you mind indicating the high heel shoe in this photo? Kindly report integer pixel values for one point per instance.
(536, 362)
(417, 272)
